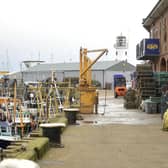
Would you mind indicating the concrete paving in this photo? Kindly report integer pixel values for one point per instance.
(118, 138)
(112, 111)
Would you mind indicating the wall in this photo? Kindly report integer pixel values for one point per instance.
(159, 29)
(104, 77)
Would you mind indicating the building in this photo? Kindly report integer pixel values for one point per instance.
(155, 49)
(101, 71)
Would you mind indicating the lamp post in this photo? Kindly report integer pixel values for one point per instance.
(21, 71)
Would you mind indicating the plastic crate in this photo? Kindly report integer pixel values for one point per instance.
(150, 107)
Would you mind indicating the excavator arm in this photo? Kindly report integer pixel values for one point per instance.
(87, 91)
(86, 63)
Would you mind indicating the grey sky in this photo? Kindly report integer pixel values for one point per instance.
(57, 28)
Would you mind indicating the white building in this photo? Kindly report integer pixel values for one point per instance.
(101, 71)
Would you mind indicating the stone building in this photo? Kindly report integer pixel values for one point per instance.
(156, 23)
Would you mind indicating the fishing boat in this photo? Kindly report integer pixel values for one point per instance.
(7, 134)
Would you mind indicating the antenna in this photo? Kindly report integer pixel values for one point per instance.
(7, 60)
(39, 56)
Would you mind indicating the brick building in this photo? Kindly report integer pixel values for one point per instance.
(156, 23)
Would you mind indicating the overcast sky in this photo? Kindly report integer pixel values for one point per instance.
(54, 30)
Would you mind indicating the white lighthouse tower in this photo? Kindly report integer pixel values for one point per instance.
(121, 47)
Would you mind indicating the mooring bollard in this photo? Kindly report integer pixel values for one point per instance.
(70, 114)
(53, 132)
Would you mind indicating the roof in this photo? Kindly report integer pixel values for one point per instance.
(103, 65)
(55, 66)
(122, 66)
(156, 13)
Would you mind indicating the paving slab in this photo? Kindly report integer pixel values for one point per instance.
(118, 138)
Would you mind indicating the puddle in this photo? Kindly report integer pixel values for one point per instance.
(113, 112)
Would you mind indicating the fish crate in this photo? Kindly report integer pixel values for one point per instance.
(147, 91)
(150, 107)
(145, 74)
(148, 95)
(163, 82)
(161, 77)
(145, 78)
(144, 68)
(155, 99)
(161, 74)
(146, 81)
(148, 84)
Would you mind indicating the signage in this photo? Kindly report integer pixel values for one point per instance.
(148, 49)
(151, 47)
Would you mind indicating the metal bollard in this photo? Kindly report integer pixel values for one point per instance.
(1, 153)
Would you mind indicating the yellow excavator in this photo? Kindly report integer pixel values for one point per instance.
(88, 94)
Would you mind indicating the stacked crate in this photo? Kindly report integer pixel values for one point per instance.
(162, 85)
(145, 82)
(162, 81)
(152, 105)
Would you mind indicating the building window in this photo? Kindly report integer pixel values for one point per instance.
(156, 33)
(160, 30)
(163, 65)
(165, 36)
(165, 30)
